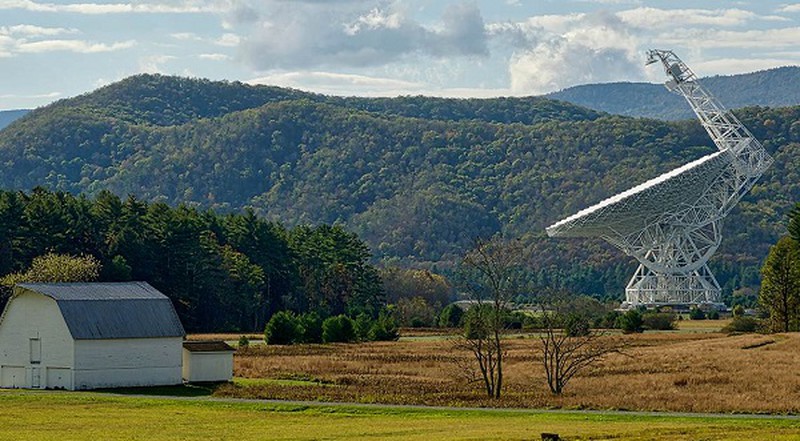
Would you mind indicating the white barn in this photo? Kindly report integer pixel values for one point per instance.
(207, 361)
(89, 335)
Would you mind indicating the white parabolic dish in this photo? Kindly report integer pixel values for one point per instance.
(633, 210)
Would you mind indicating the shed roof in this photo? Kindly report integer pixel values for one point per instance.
(94, 311)
(207, 346)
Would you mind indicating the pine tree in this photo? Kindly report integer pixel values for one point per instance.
(780, 285)
(794, 222)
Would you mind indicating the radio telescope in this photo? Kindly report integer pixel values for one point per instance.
(671, 224)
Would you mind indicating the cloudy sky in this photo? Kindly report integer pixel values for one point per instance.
(51, 49)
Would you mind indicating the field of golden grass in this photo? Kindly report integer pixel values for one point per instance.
(664, 371)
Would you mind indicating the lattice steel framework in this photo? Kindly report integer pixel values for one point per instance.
(671, 224)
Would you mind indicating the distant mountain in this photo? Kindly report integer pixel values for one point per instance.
(8, 116)
(418, 178)
(778, 87)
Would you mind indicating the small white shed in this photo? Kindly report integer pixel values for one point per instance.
(207, 361)
(88, 336)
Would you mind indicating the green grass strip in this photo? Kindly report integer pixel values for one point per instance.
(65, 416)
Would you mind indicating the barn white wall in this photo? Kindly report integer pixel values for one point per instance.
(127, 362)
(207, 366)
(31, 315)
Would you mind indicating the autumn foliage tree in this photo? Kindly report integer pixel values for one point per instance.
(52, 268)
(55, 268)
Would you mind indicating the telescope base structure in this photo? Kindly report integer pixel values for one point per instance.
(648, 288)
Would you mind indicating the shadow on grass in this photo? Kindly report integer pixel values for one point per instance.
(182, 390)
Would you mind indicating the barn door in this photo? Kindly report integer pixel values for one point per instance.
(12, 376)
(36, 351)
(36, 377)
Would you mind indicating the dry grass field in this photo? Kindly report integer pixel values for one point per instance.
(686, 370)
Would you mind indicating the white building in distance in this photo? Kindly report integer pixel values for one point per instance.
(207, 361)
(88, 336)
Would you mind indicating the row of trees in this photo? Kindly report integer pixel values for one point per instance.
(492, 274)
(223, 272)
(286, 327)
(417, 178)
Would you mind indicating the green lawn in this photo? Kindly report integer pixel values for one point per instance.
(86, 416)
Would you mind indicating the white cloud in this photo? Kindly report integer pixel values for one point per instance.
(391, 47)
(550, 67)
(331, 83)
(186, 36)
(553, 52)
(50, 95)
(214, 57)
(78, 46)
(6, 43)
(654, 18)
(176, 7)
(27, 30)
(228, 40)
(794, 7)
(781, 38)
(375, 19)
(280, 35)
(153, 63)
(325, 82)
(613, 2)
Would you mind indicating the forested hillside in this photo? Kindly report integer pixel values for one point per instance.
(417, 178)
(774, 87)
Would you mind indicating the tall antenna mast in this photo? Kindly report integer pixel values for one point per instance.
(671, 224)
(727, 132)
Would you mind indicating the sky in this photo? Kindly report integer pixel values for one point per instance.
(54, 49)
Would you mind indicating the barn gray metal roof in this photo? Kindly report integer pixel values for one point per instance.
(207, 346)
(96, 311)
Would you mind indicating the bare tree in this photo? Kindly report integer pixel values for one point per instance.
(564, 354)
(489, 274)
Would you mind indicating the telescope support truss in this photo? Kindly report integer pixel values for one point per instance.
(646, 287)
(674, 249)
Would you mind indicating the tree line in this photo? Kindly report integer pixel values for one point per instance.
(223, 272)
(416, 178)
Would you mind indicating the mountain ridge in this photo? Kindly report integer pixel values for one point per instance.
(777, 87)
(9, 116)
(419, 189)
